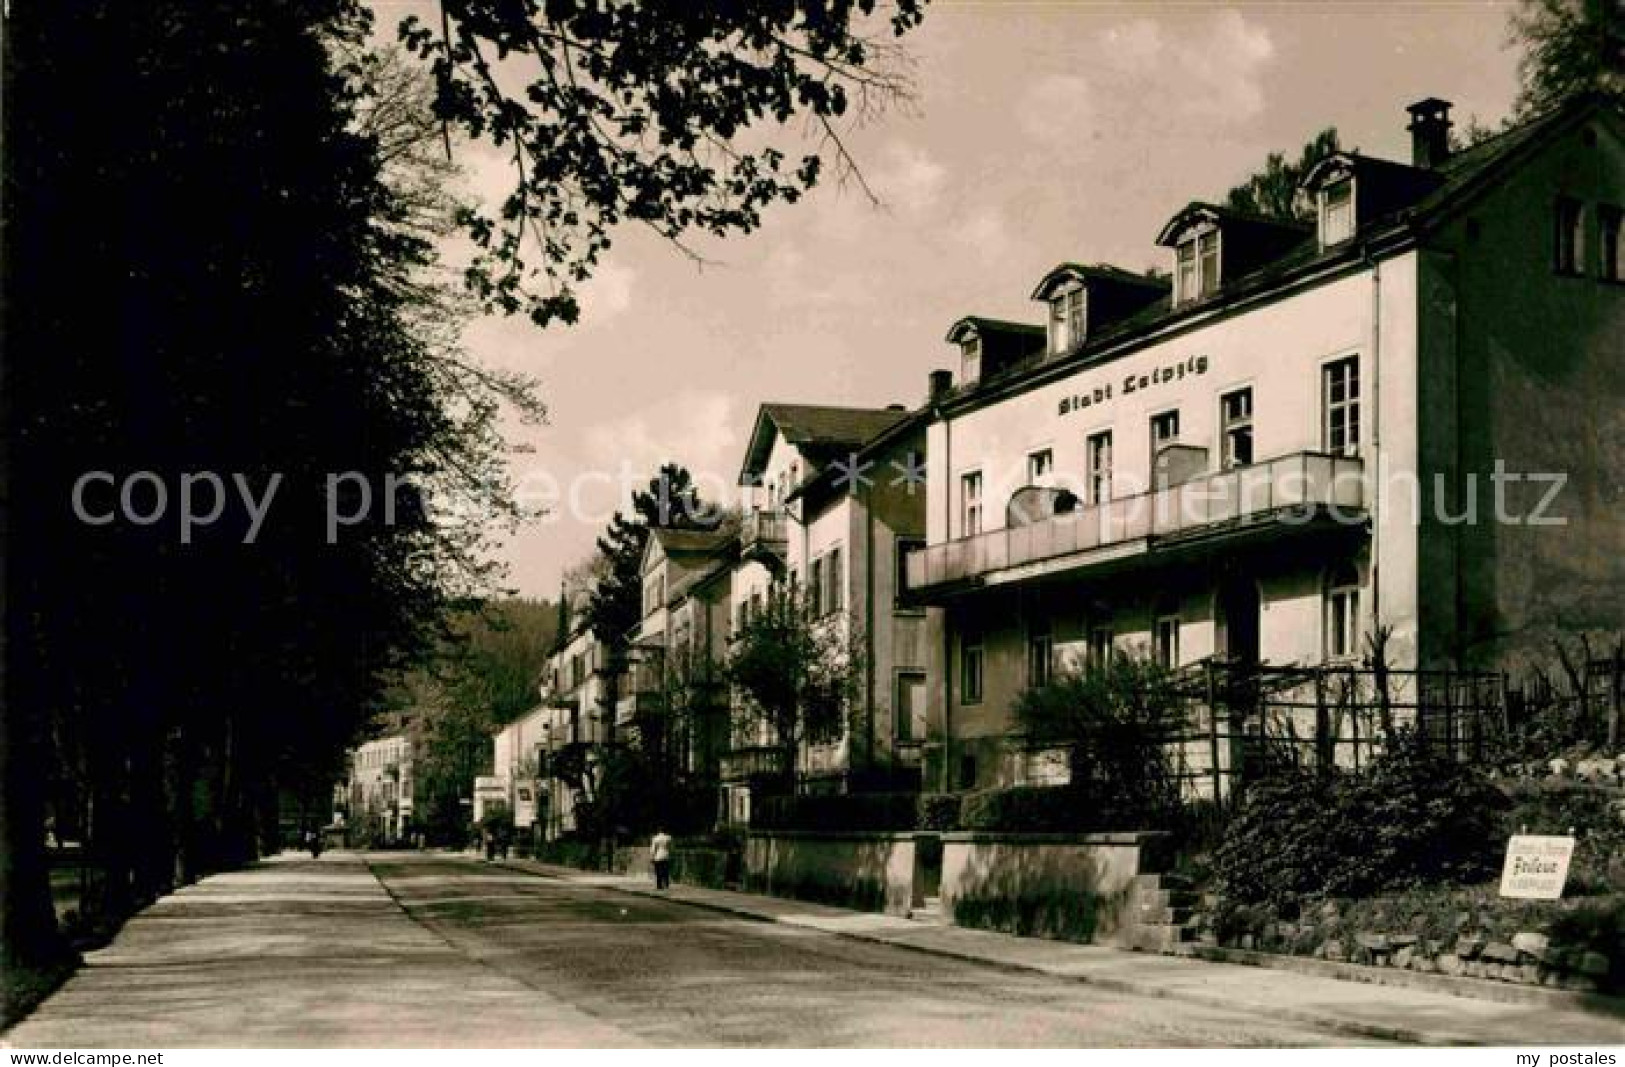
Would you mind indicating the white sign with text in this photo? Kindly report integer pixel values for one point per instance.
(1536, 866)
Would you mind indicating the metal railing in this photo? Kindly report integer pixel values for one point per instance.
(757, 761)
(764, 529)
(1305, 483)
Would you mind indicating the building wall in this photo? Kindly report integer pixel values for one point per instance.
(1527, 367)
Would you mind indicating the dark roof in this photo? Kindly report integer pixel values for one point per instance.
(1228, 214)
(683, 541)
(813, 429)
(826, 475)
(987, 325)
(1105, 271)
(1460, 177)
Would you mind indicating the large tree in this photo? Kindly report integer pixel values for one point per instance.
(1568, 47)
(649, 113)
(1273, 189)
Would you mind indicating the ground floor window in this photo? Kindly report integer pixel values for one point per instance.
(1100, 646)
(970, 669)
(1040, 656)
(1165, 640)
(1342, 613)
(910, 706)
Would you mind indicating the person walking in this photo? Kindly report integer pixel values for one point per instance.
(660, 858)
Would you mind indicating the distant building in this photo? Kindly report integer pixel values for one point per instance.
(1238, 460)
(381, 789)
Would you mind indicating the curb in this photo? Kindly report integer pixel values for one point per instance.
(1348, 1027)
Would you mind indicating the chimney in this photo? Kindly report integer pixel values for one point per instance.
(942, 383)
(1430, 132)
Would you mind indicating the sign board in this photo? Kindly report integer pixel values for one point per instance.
(1536, 866)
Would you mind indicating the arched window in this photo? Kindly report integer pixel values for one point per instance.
(1342, 612)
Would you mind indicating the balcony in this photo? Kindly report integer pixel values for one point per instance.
(1293, 491)
(762, 537)
(758, 761)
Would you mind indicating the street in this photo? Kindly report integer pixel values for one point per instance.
(411, 950)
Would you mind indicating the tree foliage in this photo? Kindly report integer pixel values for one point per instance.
(798, 673)
(646, 113)
(1114, 721)
(1568, 47)
(1273, 190)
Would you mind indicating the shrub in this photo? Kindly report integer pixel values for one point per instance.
(939, 811)
(840, 811)
(1025, 808)
(1408, 819)
(1596, 926)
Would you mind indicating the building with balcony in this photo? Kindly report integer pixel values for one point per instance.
(1291, 441)
(381, 789)
(577, 720)
(834, 497)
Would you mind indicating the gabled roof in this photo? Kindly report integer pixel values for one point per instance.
(995, 326)
(1198, 210)
(814, 430)
(1085, 271)
(912, 421)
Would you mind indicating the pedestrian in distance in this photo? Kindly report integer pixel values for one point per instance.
(660, 858)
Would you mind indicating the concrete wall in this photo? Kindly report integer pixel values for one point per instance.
(867, 871)
(1076, 888)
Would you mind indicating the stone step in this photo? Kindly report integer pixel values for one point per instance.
(1159, 938)
(1153, 915)
(1168, 898)
(1152, 882)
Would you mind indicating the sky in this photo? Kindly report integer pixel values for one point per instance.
(1041, 133)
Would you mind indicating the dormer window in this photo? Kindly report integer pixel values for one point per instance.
(1336, 212)
(1066, 319)
(970, 359)
(1198, 263)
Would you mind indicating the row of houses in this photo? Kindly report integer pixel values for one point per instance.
(1399, 413)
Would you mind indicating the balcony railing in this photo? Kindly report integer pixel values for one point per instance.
(759, 761)
(1292, 487)
(763, 533)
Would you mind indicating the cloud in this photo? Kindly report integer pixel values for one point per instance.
(607, 293)
(1053, 105)
(908, 179)
(696, 428)
(1223, 73)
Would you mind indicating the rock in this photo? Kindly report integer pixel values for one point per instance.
(1423, 964)
(1579, 983)
(1333, 950)
(1404, 957)
(1595, 770)
(1449, 963)
(1592, 965)
(1499, 952)
(1403, 940)
(1473, 968)
(1329, 910)
(1530, 974)
(1374, 942)
(1468, 948)
(1534, 944)
(1559, 768)
(1247, 941)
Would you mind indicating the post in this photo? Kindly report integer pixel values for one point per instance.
(1325, 745)
(1617, 709)
(1213, 734)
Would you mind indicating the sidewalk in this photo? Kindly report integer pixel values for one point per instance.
(1356, 1008)
(295, 953)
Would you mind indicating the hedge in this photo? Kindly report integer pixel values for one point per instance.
(839, 811)
(1025, 808)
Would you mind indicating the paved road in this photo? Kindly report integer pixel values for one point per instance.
(421, 950)
(671, 974)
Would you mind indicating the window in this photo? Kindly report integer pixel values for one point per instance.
(1100, 646)
(1342, 612)
(910, 706)
(1165, 639)
(970, 360)
(1337, 212)
(905, 545)
(970, 504)
(970, 668)
(1039, 465)
(1066, 319)
(835, 575)
(1236, 426)
(1164, 431)
(1040, 654)
(1611, 252)
(1340, 402)
(1100, 467)
(815, 586)
(1198, 266)
(1570, 236)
